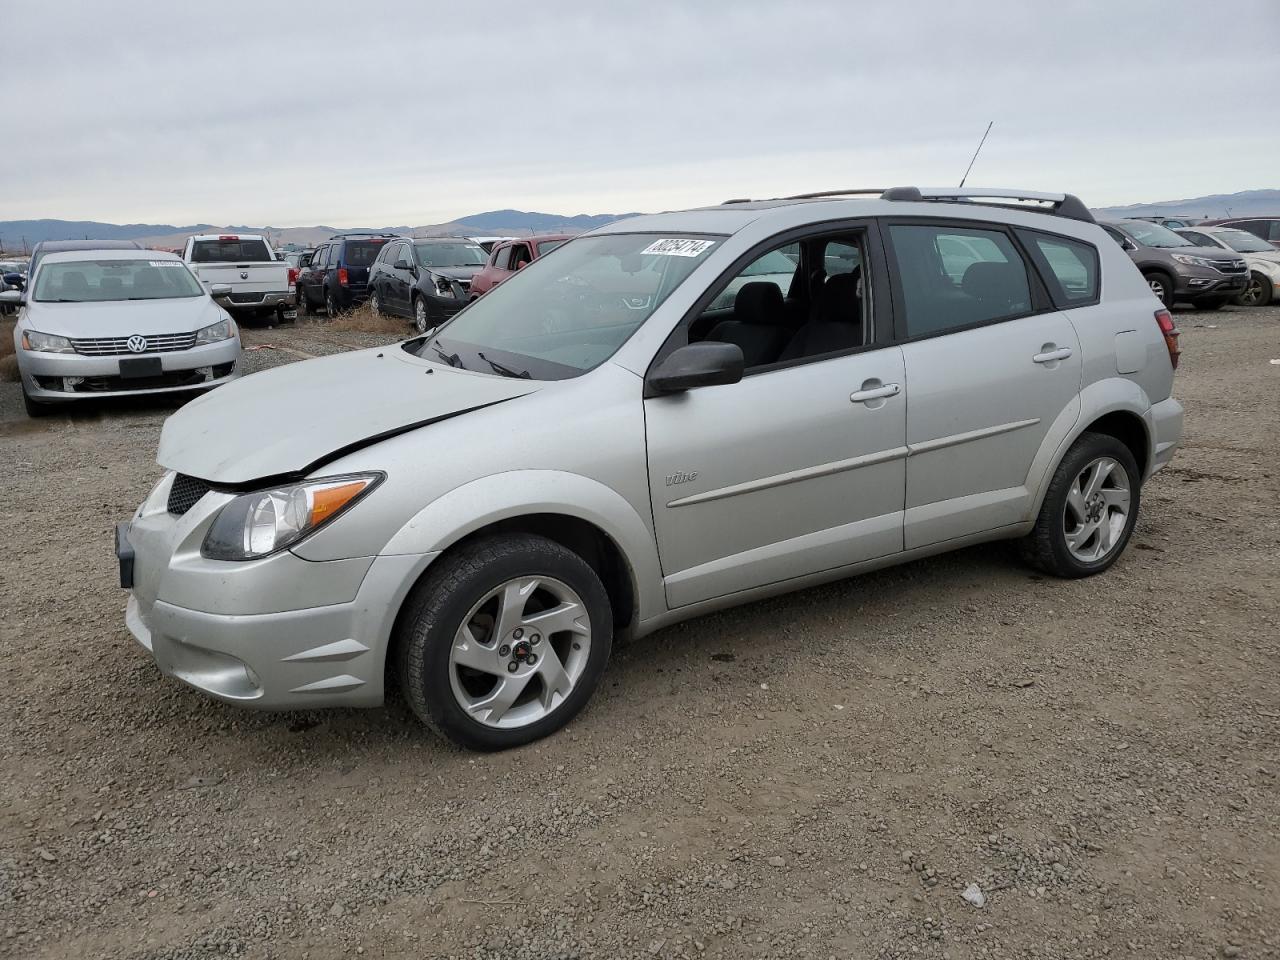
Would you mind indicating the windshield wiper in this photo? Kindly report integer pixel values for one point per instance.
(505, 371)
(452, 359)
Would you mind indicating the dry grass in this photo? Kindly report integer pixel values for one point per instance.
(8, 362)
(364, 320)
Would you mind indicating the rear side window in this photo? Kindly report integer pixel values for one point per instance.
(361, 253)
(230, 251)
(953, 277)
(502, 259)
(1069, 267)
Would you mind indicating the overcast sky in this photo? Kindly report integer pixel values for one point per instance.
(413, 112)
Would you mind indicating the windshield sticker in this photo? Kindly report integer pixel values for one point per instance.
(677, 247)
(165, 263)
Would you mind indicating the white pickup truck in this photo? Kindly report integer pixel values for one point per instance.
(258, 282)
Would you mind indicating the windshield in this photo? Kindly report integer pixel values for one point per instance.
(230, 251)
(450, 254)
(94, 281)
(1242, 242)
(1154, 235)
(563, 315)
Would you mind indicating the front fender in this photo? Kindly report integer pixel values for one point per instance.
(503, 496)
(1112, 395)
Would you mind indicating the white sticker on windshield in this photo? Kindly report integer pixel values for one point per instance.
(166, 263)
(677, 247)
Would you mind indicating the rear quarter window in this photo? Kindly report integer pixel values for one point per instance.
(1069, 267)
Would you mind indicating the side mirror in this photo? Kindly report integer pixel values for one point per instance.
(1128, 245)
(705, 364)
(220, 290)
(403, 264)
(15, 280)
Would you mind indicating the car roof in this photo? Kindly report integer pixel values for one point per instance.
(228, 236)
(52, 246)
(443, 239)
(538, 238)
(76, 256)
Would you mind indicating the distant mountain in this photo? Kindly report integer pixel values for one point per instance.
(15, 233)
(1247, 203)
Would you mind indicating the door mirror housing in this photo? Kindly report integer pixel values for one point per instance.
(218, 290)
(13, 296)
(15, 280)
(1128, 245)
(705, 364)
(403, 264)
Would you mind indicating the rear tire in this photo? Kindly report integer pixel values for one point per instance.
(1161, 285)
(471, 608)
(1258, 293)
(304, 308)
(330, 305)
(1083, 527)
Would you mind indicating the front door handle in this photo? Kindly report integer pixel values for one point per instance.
(875, 393)
(1051, 355)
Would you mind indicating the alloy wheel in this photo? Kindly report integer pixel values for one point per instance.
(519, 652)
(1097, 509)
(374, 304)
(420, 315)
(1252, 295)
(1157, 287)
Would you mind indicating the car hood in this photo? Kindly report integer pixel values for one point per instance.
(292, 419)
(123, 318)
(1268, 257)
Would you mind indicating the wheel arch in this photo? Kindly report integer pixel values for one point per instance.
(1117, 407)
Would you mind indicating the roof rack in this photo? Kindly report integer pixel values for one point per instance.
(1058, 204)
(362, 233)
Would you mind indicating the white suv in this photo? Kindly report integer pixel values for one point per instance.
(604, 445)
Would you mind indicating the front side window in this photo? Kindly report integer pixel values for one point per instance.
(502, 258)
(566, 314)
(953, 277)
(1070, 267)
(520, 255)
(230, 251)
(450, 254)
(777, 267)
(93, 281)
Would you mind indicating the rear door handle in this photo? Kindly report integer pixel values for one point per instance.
(875, 393)
(1060, 354)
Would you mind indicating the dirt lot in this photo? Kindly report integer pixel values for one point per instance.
(815, 776)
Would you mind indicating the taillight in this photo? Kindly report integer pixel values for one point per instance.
(1170, 333)
(342, 276)
(293, 276)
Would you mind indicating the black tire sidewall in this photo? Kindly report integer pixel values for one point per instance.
(442, 600)
(1089, 447)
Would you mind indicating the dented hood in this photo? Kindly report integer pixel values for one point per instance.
(294, 418)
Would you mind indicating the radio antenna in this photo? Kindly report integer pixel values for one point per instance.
(976, 152)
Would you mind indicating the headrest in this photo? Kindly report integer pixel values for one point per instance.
(148, 278)
(838, 300)
(997, 282)
(759, 302)
(73, 281)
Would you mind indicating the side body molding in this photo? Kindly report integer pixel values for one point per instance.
(501, 496)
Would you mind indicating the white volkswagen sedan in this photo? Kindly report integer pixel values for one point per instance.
(107, 323)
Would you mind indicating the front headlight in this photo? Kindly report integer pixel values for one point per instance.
(215, 332)
(1191, 261)
(257, 524)
(45, 342)
(444, 288)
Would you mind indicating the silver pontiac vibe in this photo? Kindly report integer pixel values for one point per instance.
(669, 415)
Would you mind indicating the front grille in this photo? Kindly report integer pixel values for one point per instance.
(112, 346)
(1229, 266)
(186, 492)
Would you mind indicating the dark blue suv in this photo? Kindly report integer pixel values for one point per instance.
(337, 275)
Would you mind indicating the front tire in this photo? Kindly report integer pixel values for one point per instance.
(375, 302)
(1089, 511)
(1257, 293)
(504, 641)
(33, 407)
(421, 322)
(1161, 285)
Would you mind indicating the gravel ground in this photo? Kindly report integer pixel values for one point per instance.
(814, 776)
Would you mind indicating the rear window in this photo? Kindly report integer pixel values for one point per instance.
(230, 251)
(361, 253)
(548, 246)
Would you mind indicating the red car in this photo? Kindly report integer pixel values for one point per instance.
(510, 255)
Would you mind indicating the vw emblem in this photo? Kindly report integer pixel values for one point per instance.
(244, 274)
(136, 344)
